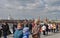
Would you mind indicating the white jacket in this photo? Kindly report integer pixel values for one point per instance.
(43, 27)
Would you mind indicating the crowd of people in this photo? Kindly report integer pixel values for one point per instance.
(34, 28)
(28, 27)
(50, 28)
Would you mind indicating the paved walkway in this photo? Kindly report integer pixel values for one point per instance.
(51, 35)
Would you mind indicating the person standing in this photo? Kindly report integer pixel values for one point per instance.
(49, 27)
(30, 27)
(26, 32)
(14, 27)
(54, 27)
(57, 28)
(19, 31)
(44, 29)
(35, 30)
(5, 30)
(8, 29)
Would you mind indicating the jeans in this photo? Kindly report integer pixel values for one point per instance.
(5, 35)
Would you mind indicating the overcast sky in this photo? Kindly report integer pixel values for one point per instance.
(20, 9)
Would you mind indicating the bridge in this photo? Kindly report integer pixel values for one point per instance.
(11, 21)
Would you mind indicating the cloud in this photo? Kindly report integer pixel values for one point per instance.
(29, 8)
(27, 5)
(15, 4)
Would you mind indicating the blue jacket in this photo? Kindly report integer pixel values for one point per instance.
(18, 33)
(26, 32)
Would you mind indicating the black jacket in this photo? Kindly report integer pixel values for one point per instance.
(5, 28)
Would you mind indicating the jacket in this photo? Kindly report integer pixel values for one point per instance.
(26, 32)
(18, 33)
(43, 28)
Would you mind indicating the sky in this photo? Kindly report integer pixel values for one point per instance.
(20, 9)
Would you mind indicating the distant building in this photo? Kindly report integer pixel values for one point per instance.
(10, 17)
